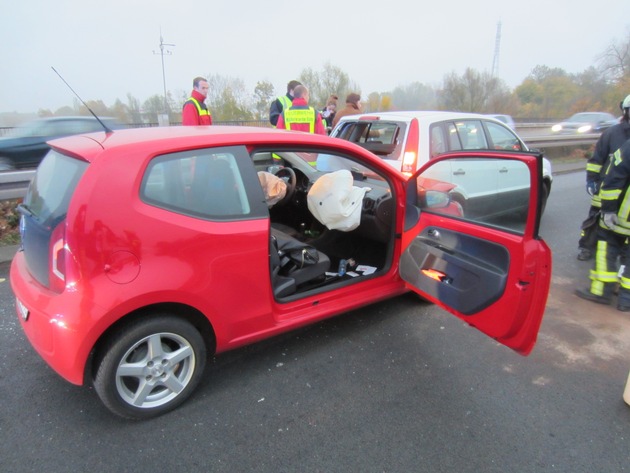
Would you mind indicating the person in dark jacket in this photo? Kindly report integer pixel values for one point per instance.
(282, 102)
(195, 110)
(596, 168)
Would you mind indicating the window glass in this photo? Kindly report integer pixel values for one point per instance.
(502, 138)
(438, 141)
(498, 195)
(203, 183)
(383, 138)
(453, 138)
(471, 134)
(49, 194)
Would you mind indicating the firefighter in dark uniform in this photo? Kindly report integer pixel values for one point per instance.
(596, 167)
(613, 232)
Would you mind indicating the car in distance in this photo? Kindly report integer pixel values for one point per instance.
(507, 119)
(585, 122)
(26, 146)
(409, 139)
(144, 251)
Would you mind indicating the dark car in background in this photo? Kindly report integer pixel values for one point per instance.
(26, 146)
(586, 122)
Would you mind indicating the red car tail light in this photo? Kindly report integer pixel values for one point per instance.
(410, 155)
(58, 254)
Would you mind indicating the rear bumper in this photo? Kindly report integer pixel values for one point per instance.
(51, 323)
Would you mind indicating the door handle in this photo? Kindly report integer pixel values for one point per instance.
(459, 172)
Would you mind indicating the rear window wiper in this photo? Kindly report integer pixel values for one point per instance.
(25, 210)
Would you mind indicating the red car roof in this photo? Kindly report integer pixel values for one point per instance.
(164, 139)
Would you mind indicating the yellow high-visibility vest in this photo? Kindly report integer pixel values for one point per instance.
(198, 105)
(300, 115)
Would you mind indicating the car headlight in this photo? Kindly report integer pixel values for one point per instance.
(556, 128)
(585, 128)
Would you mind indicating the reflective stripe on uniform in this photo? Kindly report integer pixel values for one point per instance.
(597, 288)
(200, 110)
(620, 228)
(300, 115)
(625, 282)
(285, 101)
(601, 273)
(596, 168)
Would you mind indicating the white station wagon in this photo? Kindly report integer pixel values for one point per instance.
(407, 140)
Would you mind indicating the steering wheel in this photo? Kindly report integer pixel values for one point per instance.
(289, 177)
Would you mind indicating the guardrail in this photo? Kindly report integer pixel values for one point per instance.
(551, 141)
(13, 184)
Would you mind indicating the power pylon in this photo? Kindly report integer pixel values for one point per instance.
(497, 49)
(162, 53)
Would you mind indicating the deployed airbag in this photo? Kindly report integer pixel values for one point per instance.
(273, 187)
(336, 202)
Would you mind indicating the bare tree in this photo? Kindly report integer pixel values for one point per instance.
(332, 80)
(133, 107)
(414, 96)
(152, 107)
(263, 95)
(228, 98)
(470, 92)
(615, 60)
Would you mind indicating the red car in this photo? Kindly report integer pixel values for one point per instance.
(145, 251)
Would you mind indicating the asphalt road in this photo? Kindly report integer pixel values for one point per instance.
(397, 387)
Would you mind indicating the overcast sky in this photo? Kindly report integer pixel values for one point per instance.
(105, 49)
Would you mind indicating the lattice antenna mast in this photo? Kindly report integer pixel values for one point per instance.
(497, 50)
(164, 52)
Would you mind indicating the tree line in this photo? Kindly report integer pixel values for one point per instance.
(546, 93)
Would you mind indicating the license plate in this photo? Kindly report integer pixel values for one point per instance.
(24, 312)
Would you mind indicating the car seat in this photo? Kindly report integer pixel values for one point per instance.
(286, 277)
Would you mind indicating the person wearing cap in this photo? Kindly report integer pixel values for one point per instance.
(353, 106)
(282, 102)
(195, 111)
(596, 168)
(300, 116)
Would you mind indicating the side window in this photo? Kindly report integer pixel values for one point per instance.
(383, 138)
(201, 183)
(438, 141)
(502, 138)
(491, 191)
(453, 138)
(382, 133)
(471, 134)
(344, 131)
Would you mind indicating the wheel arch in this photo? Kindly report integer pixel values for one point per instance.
(182, 311)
